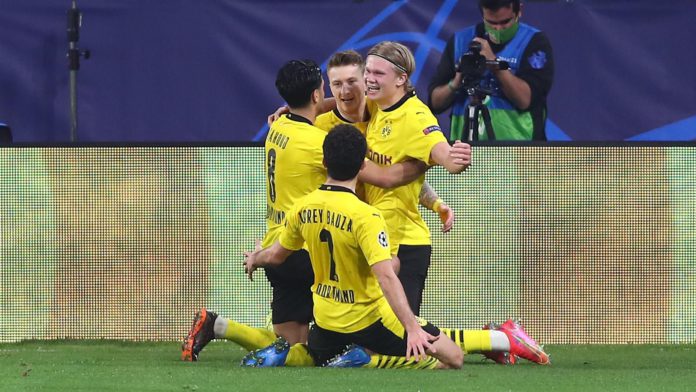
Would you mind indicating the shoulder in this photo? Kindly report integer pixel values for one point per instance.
(325, 121)
(418, 113)
(539, 41)
(368, 214)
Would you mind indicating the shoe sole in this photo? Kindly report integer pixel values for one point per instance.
(187, 347)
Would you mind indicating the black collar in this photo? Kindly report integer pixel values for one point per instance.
(405, 98)
(335, 188)
(340, 117)
(297, 117)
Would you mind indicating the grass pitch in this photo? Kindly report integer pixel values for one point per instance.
(133, 366)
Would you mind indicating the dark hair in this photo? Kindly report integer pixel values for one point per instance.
(296, 81)
(347, 57)
(495, 5)
(344, 152)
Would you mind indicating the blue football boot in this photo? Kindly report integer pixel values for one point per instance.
(271, 356)
(354, 356)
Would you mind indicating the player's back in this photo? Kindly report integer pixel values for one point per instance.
(293, 166)
(344, 236)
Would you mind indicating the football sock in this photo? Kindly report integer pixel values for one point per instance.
(248, 337)
(299, 356)
(378, 361)
(476, 341)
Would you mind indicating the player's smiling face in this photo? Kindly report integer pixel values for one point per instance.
(348, 87)
(383, 82)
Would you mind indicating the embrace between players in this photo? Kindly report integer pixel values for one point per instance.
(354, 258)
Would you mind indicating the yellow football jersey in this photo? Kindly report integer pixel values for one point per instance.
(294, 168)
(344, 237)
(330, 119)
(406, 130)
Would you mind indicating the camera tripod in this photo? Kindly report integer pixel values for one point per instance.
(474, 108)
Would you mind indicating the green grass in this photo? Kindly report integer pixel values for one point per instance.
(130, 366)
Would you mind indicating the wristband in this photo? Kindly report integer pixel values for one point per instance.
(437, 204)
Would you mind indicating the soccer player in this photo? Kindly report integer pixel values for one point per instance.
(293, 167)
(403, 128)
(345, 71)
(357, 295)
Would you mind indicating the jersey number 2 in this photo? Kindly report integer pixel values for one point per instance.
(325, 236)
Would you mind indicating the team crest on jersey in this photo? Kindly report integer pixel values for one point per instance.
(386, 131)
(382, 239)
(432, 128)
(421, 321)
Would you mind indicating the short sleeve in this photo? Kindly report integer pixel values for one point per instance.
(291, 236)
(373, 237)
(426, 133)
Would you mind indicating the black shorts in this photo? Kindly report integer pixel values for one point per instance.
(415, 261)
(324, 345)
(292, 289)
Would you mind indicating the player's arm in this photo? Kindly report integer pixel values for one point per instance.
(455, 159)
(429, 199)
(327, 105)
(418, 340)
(272, 256)
(393, 175)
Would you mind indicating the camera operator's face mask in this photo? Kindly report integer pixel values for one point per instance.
(503, 35)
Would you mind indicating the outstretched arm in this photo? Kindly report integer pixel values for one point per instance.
(455, 159)
(271, 256)
(393, 175)
(327, 105)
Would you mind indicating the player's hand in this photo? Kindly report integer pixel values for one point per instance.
(461, 153)
(446, 216)
(276, 115)
(486, 50)
(250, 261)
(418, 343)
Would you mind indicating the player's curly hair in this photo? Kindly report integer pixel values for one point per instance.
(344, 152)
(296, 80)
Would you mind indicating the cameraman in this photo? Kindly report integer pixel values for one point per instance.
(518, 101)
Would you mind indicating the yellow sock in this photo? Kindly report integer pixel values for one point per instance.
(471, 341)
(392, 362)
(248, 337)
(299, 356)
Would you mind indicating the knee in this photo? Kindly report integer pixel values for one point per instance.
(457, 360)
(452, 361)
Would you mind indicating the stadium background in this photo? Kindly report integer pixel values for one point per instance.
(587, 244)
(203, 71)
